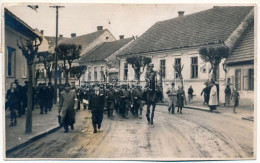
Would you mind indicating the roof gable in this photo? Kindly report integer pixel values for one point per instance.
(209, 26)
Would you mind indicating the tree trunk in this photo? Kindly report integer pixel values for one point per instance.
(79, 82)
(66, 77)
(28, 125)
(182, 84)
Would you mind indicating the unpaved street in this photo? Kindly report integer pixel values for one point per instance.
(194, 134)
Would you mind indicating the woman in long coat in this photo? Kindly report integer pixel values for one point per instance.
(213, 97)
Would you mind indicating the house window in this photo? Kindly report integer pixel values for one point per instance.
(72, 75)
(11, 62)
(42, 75)
(248, 77)
(125, 71)
(162, 68)
(194, 67)
(177, 62)
(24, 70)
(238, 80)
(89, 73)
(102, 73)
(95, 73)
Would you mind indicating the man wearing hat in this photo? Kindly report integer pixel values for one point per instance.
(19, 90)
(12, 99)
(151, 77)
(66, 108)
(125, 100)
(96, 102)
(172, 95)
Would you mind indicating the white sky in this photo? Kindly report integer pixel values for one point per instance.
(126, 19)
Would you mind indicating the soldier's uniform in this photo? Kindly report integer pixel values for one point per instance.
(137, 95)
(125, 99)
(110, 97)
(117, 98)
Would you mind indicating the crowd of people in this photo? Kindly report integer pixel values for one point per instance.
(16, 99)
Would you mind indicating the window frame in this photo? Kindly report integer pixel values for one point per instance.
(126, 71)
(176, 75)
(163, 68)
(194, 74)
(11, 52)
(237, 79)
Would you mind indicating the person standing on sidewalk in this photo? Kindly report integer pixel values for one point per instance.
(43, 98)
(12, 100)
(66, 108)
(227, 96)
(190, 94)
(19, 90)
(51, 92)
(172, 95)
(235, 96)
(206, 91)
(213, 97)
(180, 99)
(24, 96)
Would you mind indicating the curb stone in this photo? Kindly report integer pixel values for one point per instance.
(34, 138)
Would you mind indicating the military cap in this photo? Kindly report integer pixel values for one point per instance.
(16, 81)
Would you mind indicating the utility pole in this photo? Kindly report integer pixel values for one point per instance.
(56, 56)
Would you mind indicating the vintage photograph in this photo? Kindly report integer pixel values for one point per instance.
(129, 81)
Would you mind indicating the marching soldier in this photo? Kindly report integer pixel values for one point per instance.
(24, 96)
(51, 92)
(43, 98)
(117, 98)
(125, 99)
(137, 100)
(110, 97)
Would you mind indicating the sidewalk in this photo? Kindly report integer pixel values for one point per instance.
(43, 124)
(242, 112)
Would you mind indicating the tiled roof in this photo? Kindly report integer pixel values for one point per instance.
(244, 50)
(105, 50)
(51, 40)
(84, 40)
(200, 28)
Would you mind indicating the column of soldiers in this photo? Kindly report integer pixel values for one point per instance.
(121, 99)
(16, 99)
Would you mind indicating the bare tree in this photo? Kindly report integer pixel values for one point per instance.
(138, 63)
(78, 71)
(68, 53)
(29, 50)
(178, 69)
(214, 55)
(48, 61)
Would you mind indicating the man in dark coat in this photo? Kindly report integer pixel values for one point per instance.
(12, 97)
(96, 102)
(206, 91)
(19, 90)
(51, 92)
(66, 108)
(43, 98)
(126, 99)
(190, 94)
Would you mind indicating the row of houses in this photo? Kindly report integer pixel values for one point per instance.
(168, 42)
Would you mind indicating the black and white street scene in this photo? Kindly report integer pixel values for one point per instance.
(129, 81)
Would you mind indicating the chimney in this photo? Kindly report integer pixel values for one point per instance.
(73, 35)
(181, 13)
(99, 28)
(121, 37)
(42, 32)
(60, 36)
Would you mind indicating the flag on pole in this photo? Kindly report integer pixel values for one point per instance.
(34, 7)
